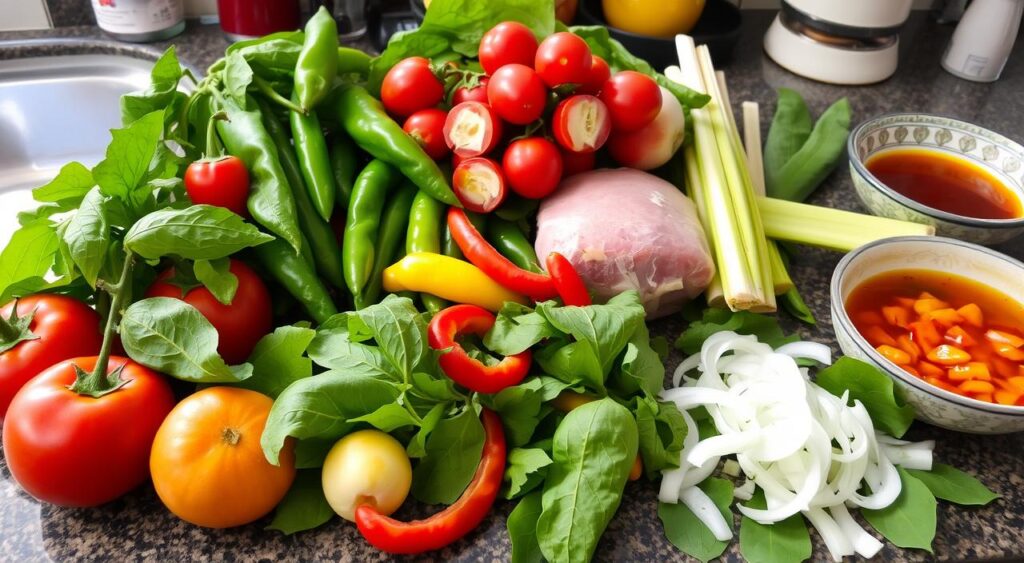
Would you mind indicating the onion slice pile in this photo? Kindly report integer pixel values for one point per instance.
(808, 450)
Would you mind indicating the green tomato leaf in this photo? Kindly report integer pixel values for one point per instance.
(172, 337)
(26, 260)
(787, 541)
(198, 232)
(128, 156)
(279, 360)
(304, 507)
(217, 277)
(949, 483)
(910, 520)
(237, 76)
(452, 455)
(517, 328)
(88, 236)
(883, 401)
(388, 417)
(522, 529)
(162, 92)
(593, 450)
(525, 470)
(69, 187)
(662, 431)
(766, 328)
(519, 407)
(320, 407)
(417, 447)
(400, 332)
(687, 532)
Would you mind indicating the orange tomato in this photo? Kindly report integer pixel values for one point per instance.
(207, 464)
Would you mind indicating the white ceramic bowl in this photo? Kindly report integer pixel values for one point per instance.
(992, 151)
(934, 405)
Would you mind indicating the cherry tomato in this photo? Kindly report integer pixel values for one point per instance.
(427, 127)
(207, 464)
(599, 74)
(507, 43)
(241, 324)
(533, 167)
(410, 86)
(479, 184)
(472, 129)
(576, 162)
(517, 94)
(563, 58)
(477, 93)
(654, 144)
(77, 450)
(633, 99)
(221, 181)
(581, 123)
(58, 328)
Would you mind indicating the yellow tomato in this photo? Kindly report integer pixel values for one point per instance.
(366, 467)
(657, 18)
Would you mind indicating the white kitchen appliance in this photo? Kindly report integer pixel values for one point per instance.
(838, 41)
(983, 40)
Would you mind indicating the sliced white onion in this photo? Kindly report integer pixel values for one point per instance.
(837, 542)
(705, 510)
(864, 543)
(810, 350)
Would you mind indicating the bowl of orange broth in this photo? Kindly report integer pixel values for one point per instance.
(966, 181)
(945, 320)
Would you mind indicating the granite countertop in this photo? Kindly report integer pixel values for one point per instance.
(139, 527)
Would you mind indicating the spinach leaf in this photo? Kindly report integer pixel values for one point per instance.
(216, 276)
(791, 125)
(197, 232)
(162, 93)
(237, 76)
(333, 349)
(128, 157)
(452, 455)
(388, 418)
(522, 529)
(172, 337)
(910, 520)
(525, 470)
(607, 328)
(641, 370)
(593, 450)
(321, 407)
(417, 446)
(662, 431)
(88, 235)
(687, 532)
(575, 363)
(68, 188)
(950, 484)
(883, 401)
(399, 330)
(783, 542)
(26, 259)
(519, 407)
(433, 386)
(713, 320)
(517, 328)
(279, 360)
(304, 507)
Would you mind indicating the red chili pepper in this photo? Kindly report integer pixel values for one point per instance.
(452, 523)
(567, 280)
(538, 287)
(467, 371)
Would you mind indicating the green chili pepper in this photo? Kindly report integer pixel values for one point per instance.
(363, 221)
(393, 227)
(353, 61)
(318, 61)
(323, 244)
(365, 120)
(426, 218)
(314, 161)
(295, 275)
(506, 237)
(270, 201)
(344, 164)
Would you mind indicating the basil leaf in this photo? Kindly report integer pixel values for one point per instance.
(388, 417)
(88, 236)
(522, 529)
(278, 360)
(400, 332)
(950, 484)
(304, 507)
(68, 188)
(687, 532)
(321, 407)
(332, 349)
(417, 446)
(26, 259)
(128, 156)
(172, 337)
(867, 384)
(593, 450)
(910, 520)
(641, 369)
(519, 407)
(216, 276)
(607, 328)
(517, 328)
(525, 470)
(452, 455)
(783, 542)
(162, 92)
(764, 327)
(575, 363)
(198, 232)
(311, 453)
(817, 157)
(662, 431)
(791, 125)
(237, 76)
(433, 387)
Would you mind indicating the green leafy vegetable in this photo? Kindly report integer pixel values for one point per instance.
(453, 453)
(388, 418)
(522, 529)
(332, 349)
(26, 259)
(791, 126)
(525, 470)
(216, 276)
(713, 320)
(399, 329)
(304, 507)
(517, 328)
(783, 542)
(162, 93)
(237, 76)
(417, 447)
(68, 188)
(519, 407)
(279, 360)
(687, 532)
(950, 484)
(883, 401)
(606, 328)
(198, 232)
(642, 369)
(128, 157)
(910, 520)
(88, 236)
(662, 430)
(794, 304)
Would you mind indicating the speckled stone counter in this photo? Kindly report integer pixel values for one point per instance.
(138, 527)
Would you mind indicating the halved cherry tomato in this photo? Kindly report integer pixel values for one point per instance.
(410, 86)
(599, 74)
(221, 181)
(479, 184)
(533, 167)
(472, 129)
(563, 58)
(477, 93)
(633, 99)
(581, 123)
(507, 43)
(427, 127)
(517, 94)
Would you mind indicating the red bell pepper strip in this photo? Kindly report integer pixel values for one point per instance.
(463, 369)
(538, 287)
(452, 523)
(567, 280)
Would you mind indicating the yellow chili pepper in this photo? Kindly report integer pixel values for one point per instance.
(448, 278)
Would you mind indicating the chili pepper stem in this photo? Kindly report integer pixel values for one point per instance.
(99, 382)
(213, 144)
(275, 97)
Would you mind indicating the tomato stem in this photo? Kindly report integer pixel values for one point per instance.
(120, 293)
(14, 330)
(213, 145)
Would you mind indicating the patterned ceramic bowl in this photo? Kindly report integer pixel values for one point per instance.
(994, 152)
(934, 405)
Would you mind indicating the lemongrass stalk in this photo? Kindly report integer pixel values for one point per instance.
(714, 294)
(829, 228)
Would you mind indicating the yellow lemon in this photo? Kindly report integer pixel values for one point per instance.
(657, 18)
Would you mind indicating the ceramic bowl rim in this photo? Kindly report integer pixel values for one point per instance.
(842, 318)
(878, 185)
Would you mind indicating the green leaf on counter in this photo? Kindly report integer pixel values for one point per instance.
(642, 369)
(216, 276)
(662, 431)
(161, 94)
(26, 259)
(417, 447)
(333, 349)
(278, 360)
(198, 232)
(794, 304)
(452, 455)
(399, 330)
(766, 328)
(522, 529)
(304, 507)
(88, 235)
(525, 470)
(790, 127)
(128, 156)
(388, 418)
(593, 450)
(517, 328)
(519, 407)
(607, 328)
(687, 532)
(237, 76)
(950, 484)
(884, 402)
(910, 520)
(787, 541)
(69, 187)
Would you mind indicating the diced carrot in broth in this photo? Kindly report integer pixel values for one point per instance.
(943, 385)
(868, 318)
(926, 295)
(1003, 368)
(945, 317)
(911, 371)
(947, 355)
(894, 355)
(1009, 352)
(877, 336)
(987, 397)
(896, 316)
(925, 334)
(972, 314)
(976, 386)
(904, 343)
(958, 336)
(1003, 337)
(927, 305)
(970, 370)
(1017, 383)
(907, 302)
(930, 370)
(1006, 397)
